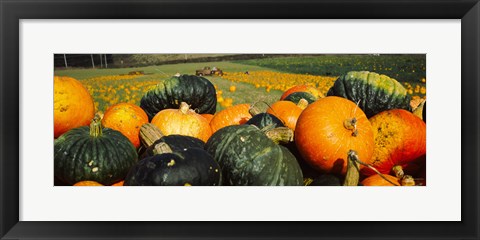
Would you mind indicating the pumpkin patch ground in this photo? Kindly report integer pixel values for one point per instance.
(252, 120)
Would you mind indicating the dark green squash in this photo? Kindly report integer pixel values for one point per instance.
(323, 180)
(93, 153)
(296, 96)
(152, 139)
(263, 120)
(198, 92)
(189, 167)
(373, 92)
(248, 157)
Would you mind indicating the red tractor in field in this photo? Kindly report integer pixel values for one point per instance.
(207, 71)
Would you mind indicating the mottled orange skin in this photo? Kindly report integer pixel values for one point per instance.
(322, 138)
(286, 111)
(183, 122)
(73, 105)
(302, 88)
(118, 184)
(376, 180)
(87, 183)
(207, 116)
(400, 138)
(234, 115)
(126, 118)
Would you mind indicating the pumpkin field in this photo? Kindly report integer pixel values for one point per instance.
(332, 120)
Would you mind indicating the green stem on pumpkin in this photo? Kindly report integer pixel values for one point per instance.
(279, 135)
(398, 171)
(302, 103)
(149, 133)
(253, 110)
(96, 126)
(184, 107)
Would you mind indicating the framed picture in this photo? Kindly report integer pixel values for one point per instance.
(245, 52)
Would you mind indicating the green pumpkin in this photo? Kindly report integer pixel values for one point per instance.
(248, 157)
(373, 92)
(93, 153)
(262, 120)
(188, 167)
(296, 96)
(198, 92)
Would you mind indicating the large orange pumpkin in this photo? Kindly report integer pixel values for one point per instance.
(400, 138)
(183, 121)
(328, 129)
(127, 119)
(73, 105)
(288, 111)
(234, 115)
(302, 88)
(88, 183)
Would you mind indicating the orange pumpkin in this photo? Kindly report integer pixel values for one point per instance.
(207, 116)
(73, 105)
(232, 88)
(183, 121)
(377, 180)
(302, 88)
(288, 111)
(118, 184)
(328, 129)
(234, 115)
(400, 138)
(127, 119)
(87, 183)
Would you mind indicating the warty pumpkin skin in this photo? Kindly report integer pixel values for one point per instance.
(183, 121)
(373, 92)
(196, 91)
(328, 129)
(73, 105)
(248, 157)
(127, 119)
(400, 138)
(188, 167)
(234, 115)
(92, 153)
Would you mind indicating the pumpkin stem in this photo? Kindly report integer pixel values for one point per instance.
(96, 126)
(149, 133)
(407, 180)
(355, 157)
(184, 107)
(279, 135)
(253, 110)
(302, 103)
(398, 171)
(351, 124)
(353, 171)
(161, 148)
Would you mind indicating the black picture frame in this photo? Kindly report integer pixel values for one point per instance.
(11, 11)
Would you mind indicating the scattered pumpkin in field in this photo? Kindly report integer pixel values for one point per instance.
(328, 129)
(93, 153)
(127, 119)
(400, 138)
(232, 88)
(73, 105)
(288, 111)
(183, 121)
(234, 115)
(88, 184)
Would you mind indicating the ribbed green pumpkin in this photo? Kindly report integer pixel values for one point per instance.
(296, 96)
(198, 92)
(262, 120)
(248, 157)
(93, 153)
(375, 93)
(188, 167)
